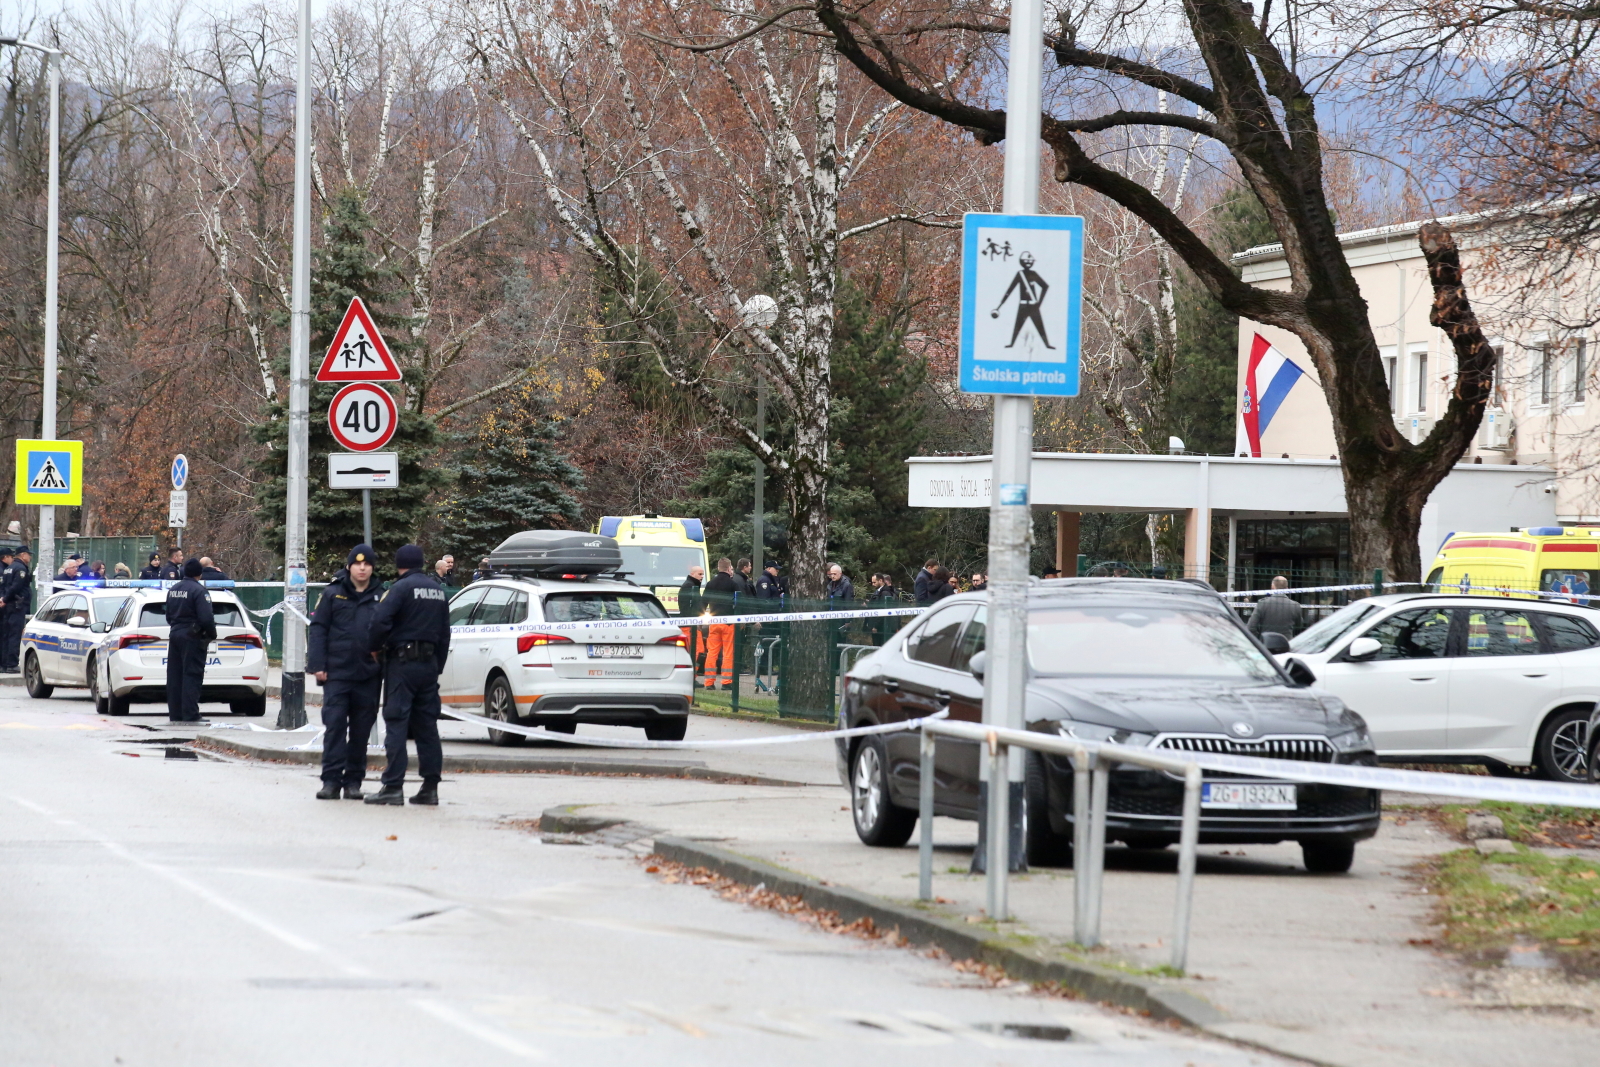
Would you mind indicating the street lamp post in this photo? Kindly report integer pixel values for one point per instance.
(52, 312)
(292, 691)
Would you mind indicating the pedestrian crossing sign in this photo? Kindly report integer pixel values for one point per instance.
(1021, 291)
(50, 472)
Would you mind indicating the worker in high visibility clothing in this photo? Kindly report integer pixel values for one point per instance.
(721, 594)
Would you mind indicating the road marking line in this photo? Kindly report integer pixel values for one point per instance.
(487, 1034)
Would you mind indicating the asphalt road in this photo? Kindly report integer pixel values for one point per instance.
(157, 909)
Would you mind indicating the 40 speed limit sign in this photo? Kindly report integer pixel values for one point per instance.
(363, 417)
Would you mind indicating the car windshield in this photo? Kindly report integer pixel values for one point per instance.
(1143, 640)
(105, 608)
(1317, 638)
(658, 565)
(601, 607)
(154, 613)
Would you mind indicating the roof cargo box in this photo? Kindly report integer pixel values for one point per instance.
(551, 553)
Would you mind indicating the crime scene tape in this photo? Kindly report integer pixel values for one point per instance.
(746, 742)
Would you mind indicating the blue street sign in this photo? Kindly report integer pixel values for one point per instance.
(1021, 292)
(180, 471)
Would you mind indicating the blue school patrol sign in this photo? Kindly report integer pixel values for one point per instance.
(1021, 297)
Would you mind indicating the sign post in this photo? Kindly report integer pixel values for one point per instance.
(365, 471)
(178, 499)
(1018, 340)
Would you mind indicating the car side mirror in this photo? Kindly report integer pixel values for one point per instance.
(78, 621)
(1362, 648)
(1275, 643)
(977, 663)
(99, 627)
(1300, 674)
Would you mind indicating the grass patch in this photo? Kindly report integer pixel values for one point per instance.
(1484, 904)
(1532, 824)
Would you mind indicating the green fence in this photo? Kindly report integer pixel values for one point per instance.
(134, 551)
(789, 668)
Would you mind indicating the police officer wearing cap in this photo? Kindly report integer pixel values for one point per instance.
(191, 629)
(16, 602)
(339, 658)
(411, 627)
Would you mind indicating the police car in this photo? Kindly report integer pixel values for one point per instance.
(120, 654)
(504, 661)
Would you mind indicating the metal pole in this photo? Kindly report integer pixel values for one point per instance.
(925, 819)
(759, 520)
(1098, 784)
(1011, 523)
(996, 874)
(52, 312)
(1188, 838)
(292, 710)
(366, 515)
(1082, 866)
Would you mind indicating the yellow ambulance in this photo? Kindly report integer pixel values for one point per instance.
(1550, 559)
(658, 550)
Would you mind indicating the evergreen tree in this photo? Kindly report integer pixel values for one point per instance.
(345, 268)
(1205, 376)
(512, 478)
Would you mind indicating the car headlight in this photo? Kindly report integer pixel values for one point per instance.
(1088, 731)
(1351, 743)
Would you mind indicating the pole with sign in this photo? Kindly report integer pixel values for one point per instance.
(1020, 293)
(178, 499)
(365, 471)
(363, 416)
(49, 473)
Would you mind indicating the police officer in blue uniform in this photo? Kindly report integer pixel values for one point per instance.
(411, 628)
(16, 604)
(191, 629)
(339, 658)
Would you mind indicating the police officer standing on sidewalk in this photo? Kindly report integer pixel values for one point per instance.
(16, 603)
(411, 627)
(191, 629)
(339, 658)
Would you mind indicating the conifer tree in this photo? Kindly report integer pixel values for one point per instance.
(344, 268)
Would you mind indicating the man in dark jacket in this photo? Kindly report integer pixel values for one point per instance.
(172, 570)
(1276, 613)
(16, 597)
(841, 593)
(191, 629)
(152, 569)
(741, 571)
(210, 572)
(770, 586)
(922, 589)
(411, 627)
(339, 657)
(689, 592)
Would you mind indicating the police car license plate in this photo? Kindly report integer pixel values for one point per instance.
(616, 652)
(1246, 797)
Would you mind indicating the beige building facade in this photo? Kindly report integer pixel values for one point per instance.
(1544, 414)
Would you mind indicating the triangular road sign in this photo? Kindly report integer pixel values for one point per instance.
(358, 353)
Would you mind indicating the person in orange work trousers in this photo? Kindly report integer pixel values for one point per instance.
(720, 596)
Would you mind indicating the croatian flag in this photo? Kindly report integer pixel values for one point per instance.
(1267, 380)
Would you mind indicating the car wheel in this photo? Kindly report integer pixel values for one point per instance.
(92, 676)
(499, 703)
(34, 678)
(1563, 749)
(116, 705)
(251, 706)
(879, 822)
(1497, 769)
(1328, 857)
(667, 728)
(1046, 848)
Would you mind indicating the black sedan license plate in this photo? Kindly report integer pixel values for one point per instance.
(616, 652)
(1243, 796)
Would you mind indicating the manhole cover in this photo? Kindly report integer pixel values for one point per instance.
(1030, 1031)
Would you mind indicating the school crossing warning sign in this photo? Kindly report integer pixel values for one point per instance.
(49, 472)
(358, 353)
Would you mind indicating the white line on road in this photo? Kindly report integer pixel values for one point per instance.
(461, 1022)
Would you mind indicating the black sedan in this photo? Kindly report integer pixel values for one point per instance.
(1160, 664)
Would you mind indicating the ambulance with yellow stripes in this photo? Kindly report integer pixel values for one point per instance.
(1550, 559)
(658, 550)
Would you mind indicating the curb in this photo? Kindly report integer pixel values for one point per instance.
(458, 764)
(961, 942)
(275, 692)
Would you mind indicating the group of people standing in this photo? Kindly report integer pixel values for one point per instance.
(16, 604)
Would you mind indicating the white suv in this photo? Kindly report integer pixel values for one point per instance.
(1464, 679)
(501, 660)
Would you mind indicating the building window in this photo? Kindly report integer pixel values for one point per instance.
(1545, 371)
(1497, 397)
(1580, 370)
(1390, 365)
(1420, 362)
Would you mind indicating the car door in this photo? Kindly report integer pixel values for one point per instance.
(493, 642)
(44, 635)
(70, 623)
(928, 684)
(1504, 680)
(1403, 692)
(956, 762)
(457, 679)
